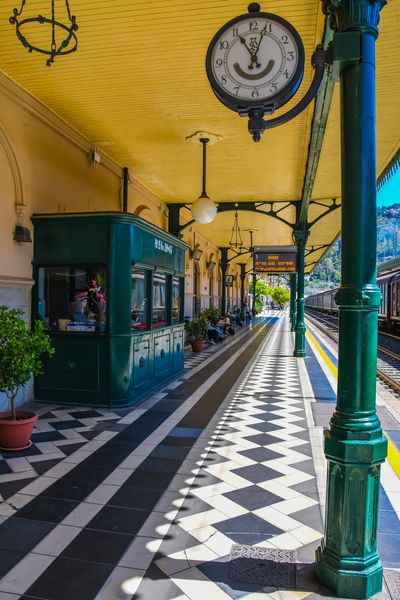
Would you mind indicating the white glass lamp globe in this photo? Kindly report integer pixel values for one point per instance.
(204, 210)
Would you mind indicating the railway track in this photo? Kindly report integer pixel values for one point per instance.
(388, 361)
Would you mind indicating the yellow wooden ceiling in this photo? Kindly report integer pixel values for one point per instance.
(138, 81)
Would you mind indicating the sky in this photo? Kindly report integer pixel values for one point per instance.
(390, 193)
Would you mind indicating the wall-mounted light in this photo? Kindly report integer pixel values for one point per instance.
(22, 234)
(197, 252)
(211, 265)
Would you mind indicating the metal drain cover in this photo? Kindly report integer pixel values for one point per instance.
(392, 580)
(265, 567)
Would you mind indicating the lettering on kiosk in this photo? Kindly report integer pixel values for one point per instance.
(163, 246)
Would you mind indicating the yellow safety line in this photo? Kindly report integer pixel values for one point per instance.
(393, 456)
(323, 354)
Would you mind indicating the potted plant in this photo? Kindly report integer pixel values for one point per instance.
(21, 351)
(197, 332)
(211, 313)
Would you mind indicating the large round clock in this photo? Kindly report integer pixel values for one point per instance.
(255, 60)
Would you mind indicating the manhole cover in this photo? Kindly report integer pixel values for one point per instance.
(392, 580)
(263, 566)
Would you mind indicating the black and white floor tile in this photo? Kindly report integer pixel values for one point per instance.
(193, 359)
(61, 431)
(58, 433)
(111, 487)
(255, 486)
(155, 501)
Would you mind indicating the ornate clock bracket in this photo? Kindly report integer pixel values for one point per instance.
(321, 59)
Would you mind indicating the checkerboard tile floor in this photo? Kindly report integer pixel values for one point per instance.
(58, 433)
(153, 502)
(255, 485)
(61, 431)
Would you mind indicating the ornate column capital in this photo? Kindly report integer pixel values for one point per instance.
(353, 15)
(300, 236)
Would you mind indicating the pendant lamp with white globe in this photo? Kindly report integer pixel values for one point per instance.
(204, 210)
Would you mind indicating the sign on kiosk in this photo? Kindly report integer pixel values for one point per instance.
(275, 259)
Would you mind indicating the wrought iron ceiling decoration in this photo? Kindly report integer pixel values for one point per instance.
(67, 45)
(236, 241)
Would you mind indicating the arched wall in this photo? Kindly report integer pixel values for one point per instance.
(44, 168)
(194, 238)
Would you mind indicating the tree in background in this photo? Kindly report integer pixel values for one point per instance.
(280, 295)
(262, 289)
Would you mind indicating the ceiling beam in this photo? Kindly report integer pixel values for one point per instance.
(320, 118)
(389, 170)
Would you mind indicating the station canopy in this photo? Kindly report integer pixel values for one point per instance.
(138, 83)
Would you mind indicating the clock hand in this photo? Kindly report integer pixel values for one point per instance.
(261, 37)
(254, 58)
(243, 41)
(252, 52)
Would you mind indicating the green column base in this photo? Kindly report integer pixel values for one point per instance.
(300, 341)
(349, 579)
(347, 560)
(299, 353)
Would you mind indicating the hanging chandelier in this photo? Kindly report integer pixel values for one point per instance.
(64, 45)
(204, 210)
(236, 241)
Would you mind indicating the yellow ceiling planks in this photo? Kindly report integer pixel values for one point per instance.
(138, 81)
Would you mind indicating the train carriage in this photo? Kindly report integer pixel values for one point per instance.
(395, 300)
(389, 309)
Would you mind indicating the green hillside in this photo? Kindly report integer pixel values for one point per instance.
(326, 274)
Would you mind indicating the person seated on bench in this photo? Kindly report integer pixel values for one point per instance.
(214, 332)
(225, 324)
(235, 316)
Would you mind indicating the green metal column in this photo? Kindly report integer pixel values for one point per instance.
(254, 290)
(224, 268)
(347, 561)
(293, 286)
(300, 236)
(242, 280)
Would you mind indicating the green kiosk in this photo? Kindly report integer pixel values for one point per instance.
(109, 287)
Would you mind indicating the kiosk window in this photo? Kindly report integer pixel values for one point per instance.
(176, 299)
(72, 298)
(139, 300)
(159, 300)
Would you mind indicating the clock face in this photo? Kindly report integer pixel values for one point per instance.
(255, 60)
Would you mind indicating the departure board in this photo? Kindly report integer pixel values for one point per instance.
(275, 259)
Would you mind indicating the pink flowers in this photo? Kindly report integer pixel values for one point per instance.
(96, 298)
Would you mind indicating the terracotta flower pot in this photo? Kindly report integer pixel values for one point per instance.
(16, 435)
(197, 345)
